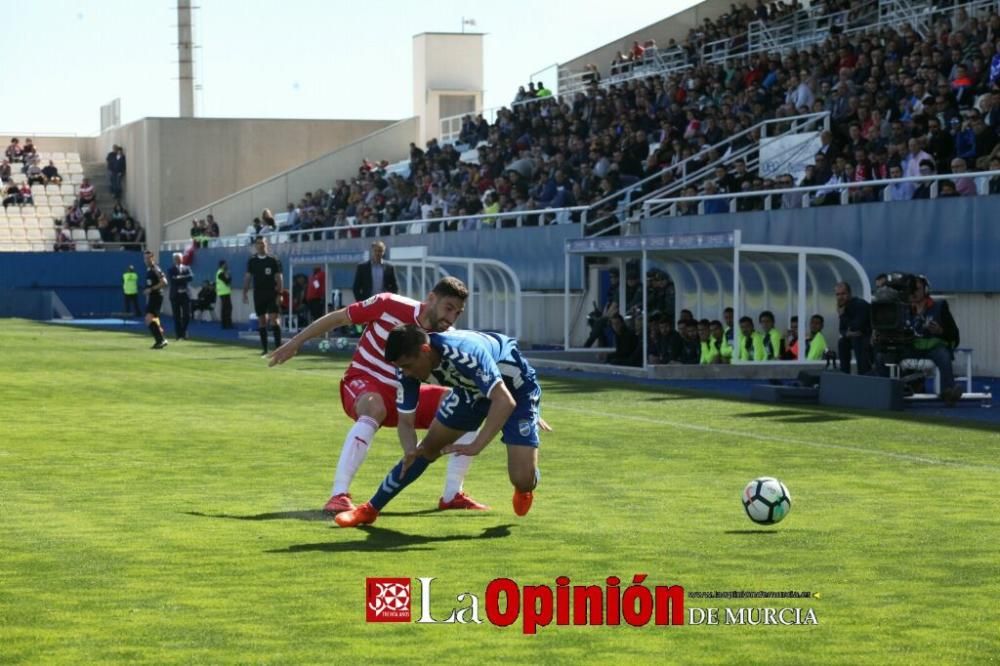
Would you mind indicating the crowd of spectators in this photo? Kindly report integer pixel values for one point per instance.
(900, 105)
(117, 228)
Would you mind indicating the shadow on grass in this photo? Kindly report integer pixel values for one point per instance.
(382, 539)
(794, 416)
(308, 515)
(761, 532)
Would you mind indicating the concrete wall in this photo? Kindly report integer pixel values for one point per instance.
(237, 209)
(179, 164)
(444, 63)
(674, 27)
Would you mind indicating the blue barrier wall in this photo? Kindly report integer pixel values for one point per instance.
(88, 283)
(954, 241)
(535, 253)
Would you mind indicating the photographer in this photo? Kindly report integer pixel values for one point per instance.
(934, 336)
(855, 330)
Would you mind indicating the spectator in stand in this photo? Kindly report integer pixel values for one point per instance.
(994, 184)
(254, 230)
(923, 189)
(115, 161)
(900, 191)
(14, 151)
(914, 159)
(64, 242)
(25, 197)
(86, 193)
(28, 152)
(5, 171)
(51, 174)
(131, 235)
(34, 174)
(213, 226)
(964, 185)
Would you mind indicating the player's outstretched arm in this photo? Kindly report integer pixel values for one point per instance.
(501, 407)
(323, 325)
(406, 428)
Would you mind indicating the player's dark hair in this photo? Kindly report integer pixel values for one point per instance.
(451, 286)
(404, 340)
(821, 320)
(704, 322)
(715, 322)
(727, 310)
(766, 313)
(744, 318)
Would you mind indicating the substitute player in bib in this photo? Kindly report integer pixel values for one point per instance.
(265, 271)
(492, 388)
(368, 388)
(156, 282)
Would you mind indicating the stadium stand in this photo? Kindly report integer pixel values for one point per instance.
(893, 82)
(35, 215)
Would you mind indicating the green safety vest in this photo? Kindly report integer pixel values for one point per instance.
(709, 352)
(756, 344)
(130, 283)
(221, 288)
(817, 347)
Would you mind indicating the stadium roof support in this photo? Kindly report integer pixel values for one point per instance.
(717, 269)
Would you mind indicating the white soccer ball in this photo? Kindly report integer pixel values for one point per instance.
(766, 500)
(342, 343)
(324, 345)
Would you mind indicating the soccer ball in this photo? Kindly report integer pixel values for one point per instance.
(324, 345)
(766, 500)
(342, 343)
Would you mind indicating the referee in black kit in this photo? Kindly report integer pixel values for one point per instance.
(156, 282)
(265, 271)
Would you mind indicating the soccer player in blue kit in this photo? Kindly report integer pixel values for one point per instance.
(493, 389)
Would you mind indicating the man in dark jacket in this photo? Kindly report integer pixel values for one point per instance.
(855, 330)
(374, 276)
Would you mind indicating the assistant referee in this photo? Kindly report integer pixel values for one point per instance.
(265, 272)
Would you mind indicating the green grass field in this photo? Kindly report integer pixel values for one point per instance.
(162, 507)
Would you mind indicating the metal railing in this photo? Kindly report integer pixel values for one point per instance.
(750, 154)
(497, 221)
(843, 190)
(451, 126)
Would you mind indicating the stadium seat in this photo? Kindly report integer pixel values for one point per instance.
(66, 188)
(75, 178)
(68, 200)
(37, 190)
(94, 235)
(82, 246)
(77, 234)
(51, 189)
(73, 157)
(58, 156)
(74, 168)
(58, 211)
(18, 233)
(40, 247)
(43, 211)
(33, 233)
(4, 233)
(48, 234)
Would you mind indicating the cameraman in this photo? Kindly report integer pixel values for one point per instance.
(855, 330)
(935, 337)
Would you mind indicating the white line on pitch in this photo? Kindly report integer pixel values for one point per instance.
(787, 440)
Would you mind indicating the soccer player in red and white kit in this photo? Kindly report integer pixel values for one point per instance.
(368, 388)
